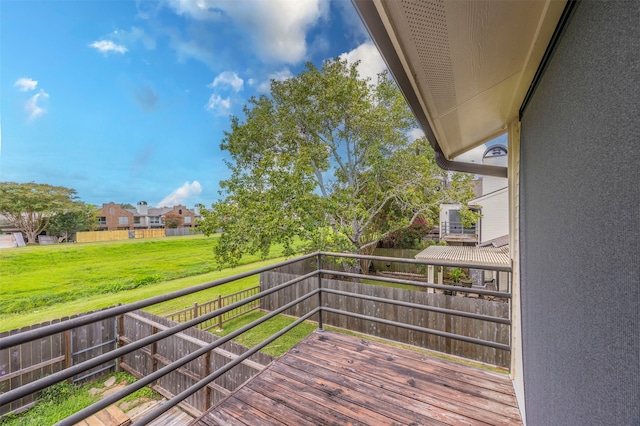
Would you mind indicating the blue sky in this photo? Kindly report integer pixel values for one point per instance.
(128, 101)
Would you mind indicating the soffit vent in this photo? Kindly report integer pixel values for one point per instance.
(428, 25)
(467, 63)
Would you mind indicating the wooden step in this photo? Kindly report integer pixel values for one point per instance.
(110, 416)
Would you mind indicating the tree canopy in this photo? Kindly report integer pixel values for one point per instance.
(328, 158)
(31, 206)
(79, 217)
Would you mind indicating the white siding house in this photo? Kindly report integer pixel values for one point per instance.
(493, 204)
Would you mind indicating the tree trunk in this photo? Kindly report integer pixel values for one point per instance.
(32, 237)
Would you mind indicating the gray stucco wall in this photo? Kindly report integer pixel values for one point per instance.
(580, 224)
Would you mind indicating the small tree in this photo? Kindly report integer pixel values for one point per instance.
(30, 207)
(172, 220)
(82, 217)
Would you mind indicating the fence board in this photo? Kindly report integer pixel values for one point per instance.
(437, 321)
(30, 361)
(199, 309)
(150, 233)
(94, 236)
(139, 324)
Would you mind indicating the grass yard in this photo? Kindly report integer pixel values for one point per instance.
(41, 283)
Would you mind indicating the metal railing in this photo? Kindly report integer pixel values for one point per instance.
(456, 228)
(319, 259)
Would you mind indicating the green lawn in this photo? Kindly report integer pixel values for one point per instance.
(41, 283)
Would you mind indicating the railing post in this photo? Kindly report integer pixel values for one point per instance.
(195, 310)
(320, 292)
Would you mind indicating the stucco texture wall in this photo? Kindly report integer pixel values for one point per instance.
(580, 224)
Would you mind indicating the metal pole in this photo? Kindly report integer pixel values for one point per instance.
(320, 292)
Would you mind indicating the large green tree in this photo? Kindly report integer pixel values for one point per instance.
(327, 157)
(31, 206)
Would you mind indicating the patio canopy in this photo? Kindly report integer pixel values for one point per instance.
(485, 256)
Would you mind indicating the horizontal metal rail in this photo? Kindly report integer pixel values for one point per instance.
(472, 315)
(419, 283)
(419, 261)
(422, 329)
(93, 373)
(94, 408)
(99, 345)
(100, 359)
(205, 381)
(27, 336)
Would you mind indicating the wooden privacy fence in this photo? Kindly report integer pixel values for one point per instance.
(94, 236)
(470, 327)
(138, 325)
(199, 309)
(26, 363)
(407, 268)
(148, 233)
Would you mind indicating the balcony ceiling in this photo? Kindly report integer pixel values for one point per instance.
(465, 66)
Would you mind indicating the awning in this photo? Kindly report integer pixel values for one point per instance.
(481, 256)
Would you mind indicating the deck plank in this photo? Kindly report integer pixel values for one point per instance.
(393, 368)
(334, 379)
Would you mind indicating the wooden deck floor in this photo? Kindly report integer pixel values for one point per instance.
(335, 379)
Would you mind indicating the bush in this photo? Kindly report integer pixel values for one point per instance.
(411, 237)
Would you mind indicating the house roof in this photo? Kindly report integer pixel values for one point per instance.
(486, 256)
(496, 242)
(151, 211)
(487, 196)
(464, 66)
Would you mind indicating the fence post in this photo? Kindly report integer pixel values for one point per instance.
(320, 292)
(195, 310)
(206, 360)
(154, 351)
(119, 341)
(68, 352)
(220, 316)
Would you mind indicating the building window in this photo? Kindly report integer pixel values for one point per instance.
(180, 211)
(187, 219)
(136, 220)
(123, 220)
(102, 220)
(154, 220)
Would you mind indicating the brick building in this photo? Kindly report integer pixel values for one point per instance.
(113, 217)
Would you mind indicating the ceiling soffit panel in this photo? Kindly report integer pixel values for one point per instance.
(470, 61)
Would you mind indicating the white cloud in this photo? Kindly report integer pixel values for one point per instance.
(32, 105)
(191, 49)
(218, 103)
(107, 46)
(134, 35)
(371, 63)
(278, 27)
(228, 78)
(282, 75)
(180, 195)
(25, 84)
